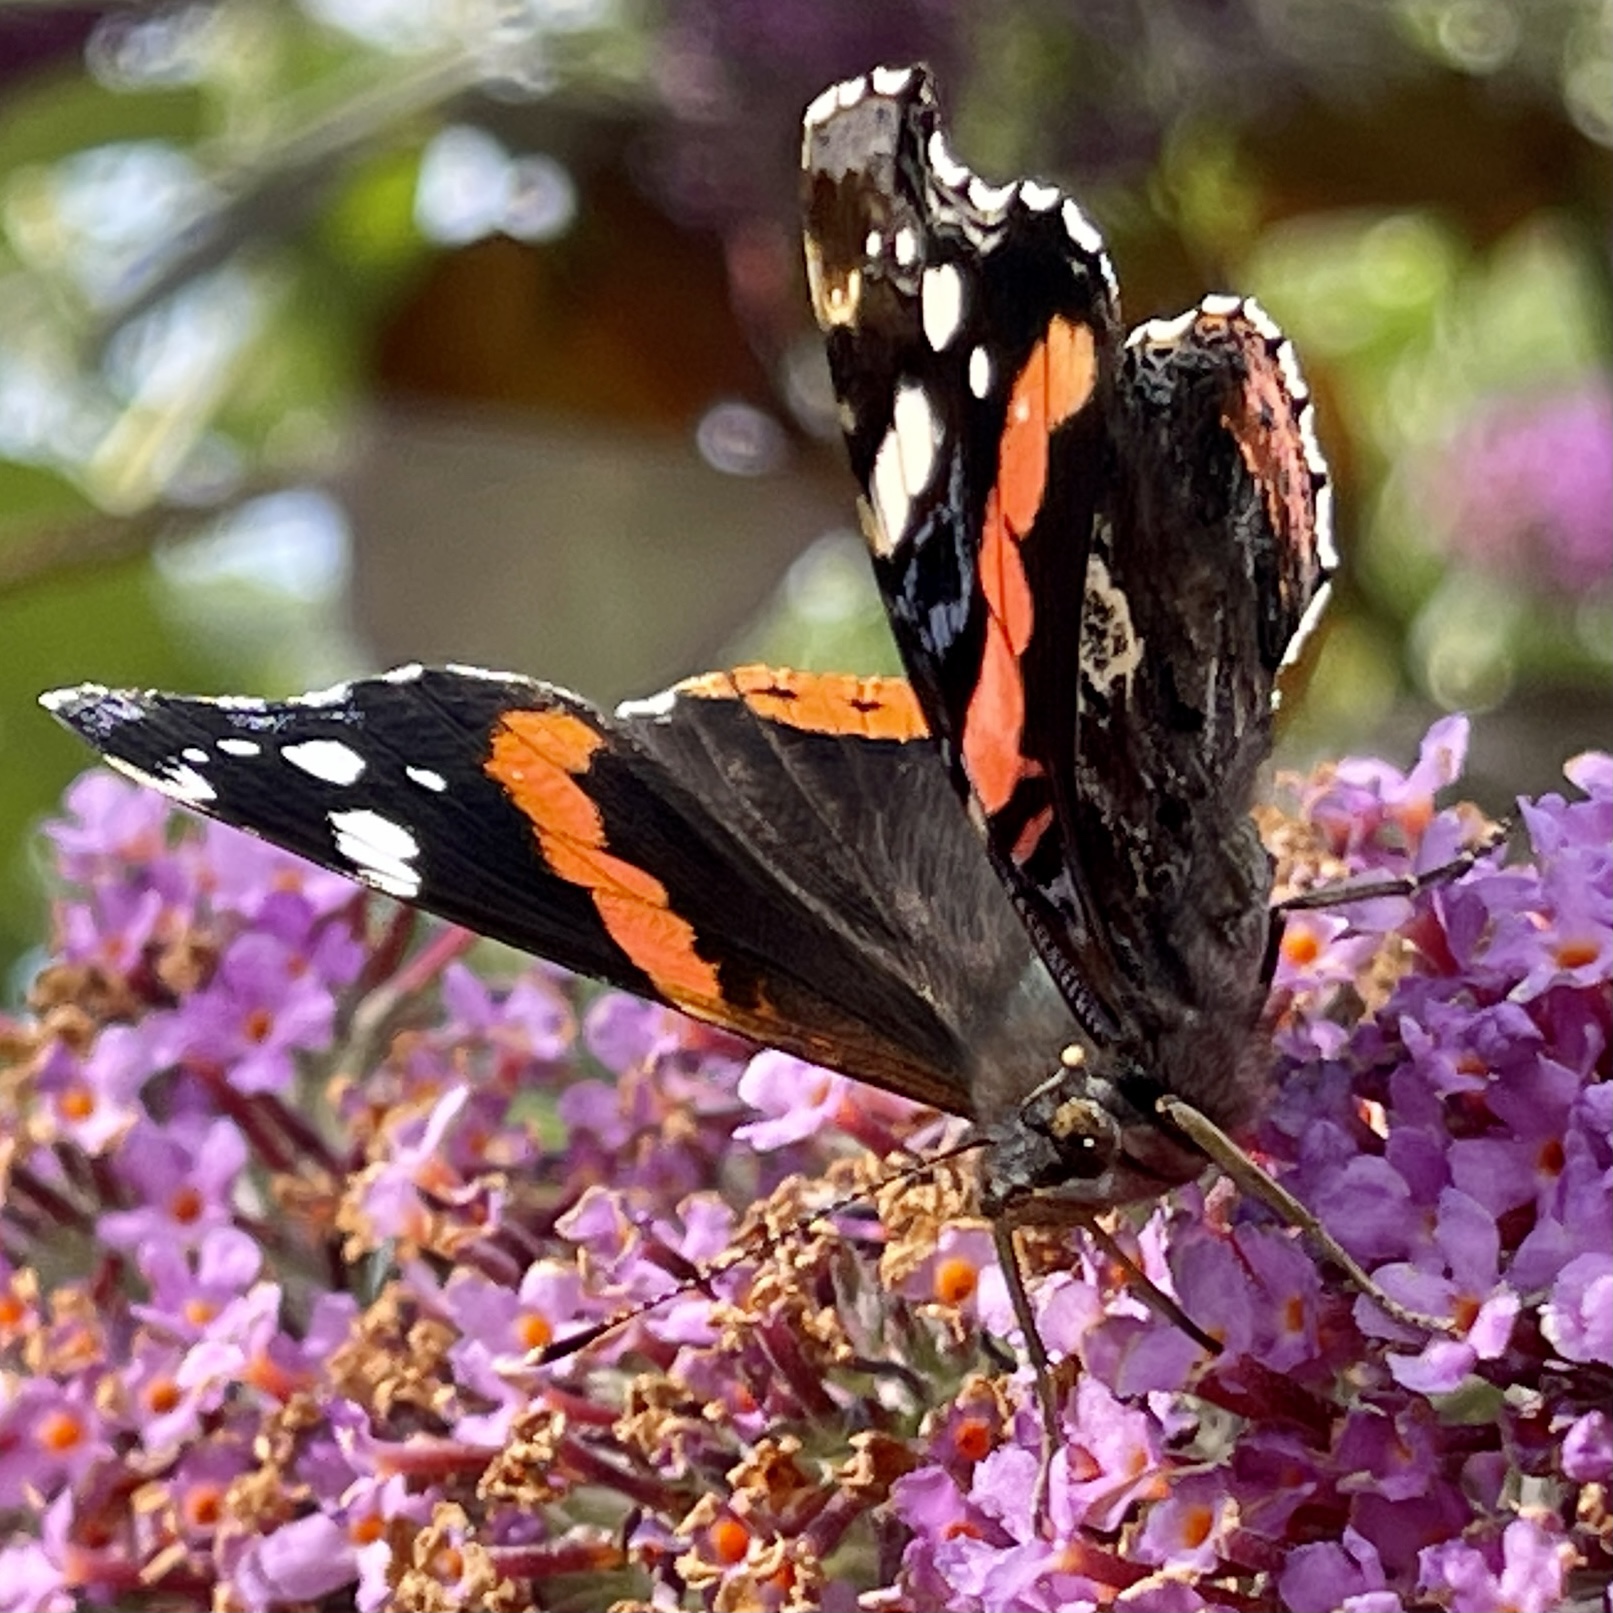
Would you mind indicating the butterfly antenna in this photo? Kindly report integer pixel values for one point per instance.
(1259, 1184)
(751, 1247)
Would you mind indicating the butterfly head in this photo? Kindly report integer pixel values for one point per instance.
(1061, 1138)
(1084, 1139)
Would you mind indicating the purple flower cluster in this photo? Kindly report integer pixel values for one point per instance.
(1525, 491)
(294, 1198)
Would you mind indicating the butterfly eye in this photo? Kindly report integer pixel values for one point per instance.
(1057, 1138)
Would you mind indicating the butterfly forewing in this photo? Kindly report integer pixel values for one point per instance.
(974, 338)
(773, 852)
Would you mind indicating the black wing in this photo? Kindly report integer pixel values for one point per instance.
(1209, 556)
(772, 852)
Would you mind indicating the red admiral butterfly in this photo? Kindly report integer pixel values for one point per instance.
(1097, 551)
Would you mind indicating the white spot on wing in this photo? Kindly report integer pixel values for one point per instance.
(873, 244)
(891, 80)
(1314, 457)
(486, 674)
(654, 705)
(428, 778)
(941, 302)
(378, 850)
(195, 753)
(240, 747)
(337, 694)
(79, 694)
(980, 372)
(404, 674)
(185, 785)
(819, 108)
(1037, 197)
(990, 198)
(904, 464)
(850, 92)
(1081, 229)
(1261, 320)
(328, 760)
(1326, 550)
(1293, 377)
(1307, 624)
(1220, 305)
(890, 502)
(1163, 331)
(943, 164)
(906, 246)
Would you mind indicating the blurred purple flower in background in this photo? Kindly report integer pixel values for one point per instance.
(293, 1196)
(1525, 490)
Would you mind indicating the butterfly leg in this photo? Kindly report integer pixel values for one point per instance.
(1221, 1150)
(1146, 1288)
(1002, 1232)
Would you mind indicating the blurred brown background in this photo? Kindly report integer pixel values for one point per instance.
(347, 332)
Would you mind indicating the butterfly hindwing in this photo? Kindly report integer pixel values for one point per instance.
(772, 852)
(1210, 553)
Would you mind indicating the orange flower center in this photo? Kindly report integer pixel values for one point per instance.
(972, 1438)
(76, 1104)
(362, 1531)
(955, 1280)
(533, 1330)
(203, 1505)
(59, 1432)
(162, 1395)
(729, 1540)
(1196, 1526)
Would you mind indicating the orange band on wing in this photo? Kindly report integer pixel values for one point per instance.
(818, 702)
(1072, 370)
(1056, 383)
(995, 718)
(537, 758)
(1264, 425)
(993, 724)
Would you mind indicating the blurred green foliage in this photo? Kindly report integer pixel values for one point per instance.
(215, 220)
